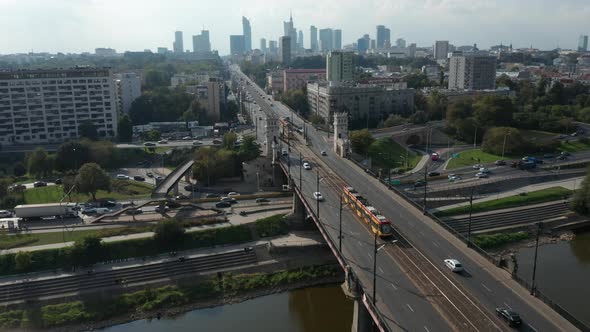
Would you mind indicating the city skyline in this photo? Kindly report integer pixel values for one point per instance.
(80, 26)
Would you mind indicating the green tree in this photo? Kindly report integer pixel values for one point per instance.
(418, 81)
(229, 140)
(92, 178)
(394, 120)
(230, 111)
(87, 251)
(492, 111)
(316, 119)
(204, 167)
(249, 150)
(39, 163)
(152, 135)
(125, 129)
(360, 140)
(419, 117)
(169, 234)
(581, 200)
(493, 141)
(71, 155)
(296, 100)
(88, 130)
(102, 153)
(436, 105)
(505, 81)
(4, 184)
(19, 169)
(23, 261)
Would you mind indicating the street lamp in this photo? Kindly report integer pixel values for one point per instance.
(475, 137)
(469, 225)
(504, 144)
(533, 285)
(376, 250)
(316, 198)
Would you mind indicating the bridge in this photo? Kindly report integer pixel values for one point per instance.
(171, 181)
(413, 291)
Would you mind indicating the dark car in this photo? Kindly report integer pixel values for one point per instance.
(212, 195)
(548, 156)
(138, 178)
(134, 211)
(181, 197)
(433, 173)
(262, 200)
(37, 184)
(419, 183)
(500, 162)
(58, 181)
(562, 157)
(512, 317)
(162, 209)
(190, 187)
(222, 204)
(108, 204)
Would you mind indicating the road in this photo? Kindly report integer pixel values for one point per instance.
(484, 286)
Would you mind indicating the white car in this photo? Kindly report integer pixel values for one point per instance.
(163, 141)
(477, 166)
(306, 166)
(233, 194)
(5, 214)
(318, 196)
(197, 142)
(122, 177)
(453, 178)
(484, 170)
(481, 175)
(454, 265)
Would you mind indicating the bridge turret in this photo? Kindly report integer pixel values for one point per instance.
(271, 133)
(341, 142)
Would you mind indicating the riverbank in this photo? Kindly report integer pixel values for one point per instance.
(544, 239)
(168, 301)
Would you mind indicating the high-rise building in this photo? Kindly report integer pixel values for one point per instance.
(162, 50)
(285, 50)
(201, 42)
(441, 49)
(263, 45)
(400, 42)
(412, 50)
(215, 98)
(300, 40)
(236, 44)
(326, 40)
(472, 72)
(383, 35)
(363, 44)
(247, 32)
(291, 32)
(102, 51)
(178, 45)
(339, 66)
(48, 105)
(583, 43)
(337, 40)
(127, 89)
(313, 38)
(373, 44)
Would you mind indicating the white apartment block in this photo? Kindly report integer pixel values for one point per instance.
(47, 106)
(472, 72)
(128, 88)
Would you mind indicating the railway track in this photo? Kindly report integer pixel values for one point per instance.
(33, 290)
(508, 218)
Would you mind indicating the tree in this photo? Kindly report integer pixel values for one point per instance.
(230, 111)
(492, 111)
(394, 120)
(296, 100)
(505, 80)
(152, 135)
(360, 140)
(4, 184)
(229, 140)
(419, 117)
(168, 234)
(581, 200)
(23, 261)
(436, 105)
(92, 178)
(39, 163)
(249, 150)
(87, 129)
(125, 129)
(87, 251)
(316, 119)
(493, 141)
(19, 169)
(418, 81)
(71, 155)
(102, 153)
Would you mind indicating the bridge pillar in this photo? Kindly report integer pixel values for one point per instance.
(361, 319)
(175, 189)
(298, 209)
(187, 177)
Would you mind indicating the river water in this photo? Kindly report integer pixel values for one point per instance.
(563, 273)
(316, 309)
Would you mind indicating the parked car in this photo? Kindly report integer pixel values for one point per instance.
(481, 175)
(187, 138)
(477, 166)
(108, 203)
(454, 265)
(433, 173)
(138, 178)
(306, 165)
(318, 196)
(484, 170)
(562, 157)
(88, 210)
(134, 211)
(149, 174)
(564, 153)
(101, 210)
(212, 195)
(162, 141)
(37, 184)
(500, 162)
(149, 144)
(435, 156)
(161, 209)
(216, 141)
(122, 177)
(324, 153)
(285, 153)
(511, 317)
(233, 194)
(222, 204)
(159, 178)
(262, 200)
(5, 214)
(548, 156)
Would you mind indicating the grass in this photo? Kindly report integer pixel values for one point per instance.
(575, 146)
(271, 226)
(121, 190)
(533, 197)
(496, 240)
(472, 157)
(386, 153)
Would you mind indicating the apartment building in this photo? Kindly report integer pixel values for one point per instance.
(472, 72)
(127, 89)
(298, 78)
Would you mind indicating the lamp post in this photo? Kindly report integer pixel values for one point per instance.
(300, 167)
(504, 144)
(469, 225)
(317, 190)
(376, 250)
(475, 137)
(533, 285)
(425, 186)
(340, 227)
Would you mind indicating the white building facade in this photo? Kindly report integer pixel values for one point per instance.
(127, 88)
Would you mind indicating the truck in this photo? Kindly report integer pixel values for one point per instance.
(38, 211)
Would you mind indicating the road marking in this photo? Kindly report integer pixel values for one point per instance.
(487, 288)
(370, 257)
(410, 307)
(435, 244)
(425, 328)
(532, 328)
(507, 306)
(381, 270)
(394, 288)
(360, 243)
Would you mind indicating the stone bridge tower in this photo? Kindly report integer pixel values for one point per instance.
(271, 132)
(341, 142)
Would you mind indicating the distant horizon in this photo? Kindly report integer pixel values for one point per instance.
(78, 26)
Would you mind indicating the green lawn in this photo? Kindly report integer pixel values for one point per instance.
(121, 190)
(37, 239)
(574, 146)
(534, 197)
(386, 153)
(472, 157)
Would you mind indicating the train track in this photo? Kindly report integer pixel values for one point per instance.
(34, 290)
(508, 218)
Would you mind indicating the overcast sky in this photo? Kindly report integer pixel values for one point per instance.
(82, 25)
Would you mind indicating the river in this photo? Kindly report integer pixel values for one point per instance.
(563, 273)
(315, 309)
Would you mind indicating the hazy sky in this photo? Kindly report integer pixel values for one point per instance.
(82, 25)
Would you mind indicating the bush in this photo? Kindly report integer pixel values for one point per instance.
(496, 240)
(169, 234)
(272, 226)
(65, 313)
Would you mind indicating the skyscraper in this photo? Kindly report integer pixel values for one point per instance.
(400, 42)
(472, 72)
(300, 40)
(363, 44)
(263, 45)
(337, 40)
(285, 43)
(178, 46)
(201, 42)
(236, 44)
(441, 49)
(313, 38)
(339, 66)
(273, 48)
(290, 31)
(583, 43)
(247, 32)
(383, 35)
(326, 40)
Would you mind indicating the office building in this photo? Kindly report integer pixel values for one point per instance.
(339, 66)
(373, 44)
(247, 32)
(101, 51)
(441, 49)
(337, 40)
(313, 38)
(48, 105)
(285, 50)
(290, 31)
(163, 50)
(178, 45)
(363, 44)
(383, 35)
(472, 72)
(412, 50)
(400, 43)
(298, 78)
(215, 98)
(201, 42)
(583, 43)
(326, 40)
(273, 47)
(236, 44)
(127, 89)
(263, 45)
(362, 102)
(300, 40)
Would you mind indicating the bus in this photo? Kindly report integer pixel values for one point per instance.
(379, 224)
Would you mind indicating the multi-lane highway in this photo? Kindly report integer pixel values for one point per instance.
(415, 291)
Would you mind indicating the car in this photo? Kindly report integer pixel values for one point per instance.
(262, 200)
(564, 153)
(510, 316)
(419, 183)
(433, 173)
(191, 187)
(324, 153)
(216, 141)
(149, 144)
(574, 134)
(306, 166)
(134, 211)
(454, 265)
(548, 156)
(481, 175)
(484, 170)
(122, 177)
(230, 200)
(138, 178)
(149, 174)
(5, 214)
(222, 204)
(477, 166)
(233, 194)
(37, 184)
(318, 196)
(454, 178)
(181, 196)
(435, 156)
(108, 203)
(162, 209)
(187, 138)
(58, 181)
(102, 210)
(212, 195)
(500, 162)
(159, 178)
(173, 204)
(88, 210)
(197, 143)
(562, 157)
(162, 141)
(17, 187)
